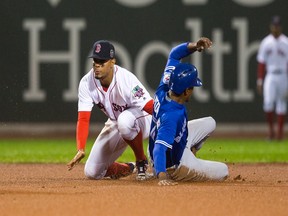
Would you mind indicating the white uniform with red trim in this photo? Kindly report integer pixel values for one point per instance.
(122, 103)
(273, 52)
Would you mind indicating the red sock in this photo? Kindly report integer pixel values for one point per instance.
(270, 121)
(117, 169)
(137, 146)
(280, 122)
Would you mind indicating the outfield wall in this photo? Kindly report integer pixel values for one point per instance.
(63, 130)
(44, 48)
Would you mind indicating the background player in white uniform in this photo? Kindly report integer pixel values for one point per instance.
(173, 139)
(127, 104)
(273, 60)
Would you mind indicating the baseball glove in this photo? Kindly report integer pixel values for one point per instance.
(78, 157)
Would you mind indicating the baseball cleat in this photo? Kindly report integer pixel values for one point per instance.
(142, 173)
(132, 166)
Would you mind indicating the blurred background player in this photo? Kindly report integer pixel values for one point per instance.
(272, 77)
(173, 140)
(128, 106)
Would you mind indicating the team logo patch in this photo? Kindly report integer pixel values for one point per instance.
(137, 92)
(166, 78)
(98, 48)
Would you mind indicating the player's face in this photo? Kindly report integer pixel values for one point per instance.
(188, 94)
(102, 68)
(276, 30)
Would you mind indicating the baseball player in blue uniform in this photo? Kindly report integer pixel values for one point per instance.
(173, 140)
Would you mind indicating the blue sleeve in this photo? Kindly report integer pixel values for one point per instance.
(177, 53)
(175, 56)
(167, 129)
(164, 140)
(159, 155)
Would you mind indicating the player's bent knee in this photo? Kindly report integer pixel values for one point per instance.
(211, 123)
(92, 173)
(126, 125)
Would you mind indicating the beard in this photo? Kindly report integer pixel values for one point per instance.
(98, 76)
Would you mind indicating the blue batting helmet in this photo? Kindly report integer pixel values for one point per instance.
(182, 77)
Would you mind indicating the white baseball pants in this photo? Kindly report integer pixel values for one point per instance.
(193, 169)
(109, 145)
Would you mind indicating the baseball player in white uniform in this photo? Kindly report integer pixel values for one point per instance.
(272, 76)
(128, 106)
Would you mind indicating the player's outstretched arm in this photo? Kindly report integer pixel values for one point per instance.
(82, 135)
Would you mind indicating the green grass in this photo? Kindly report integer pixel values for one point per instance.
(244, 151)
(63, 150)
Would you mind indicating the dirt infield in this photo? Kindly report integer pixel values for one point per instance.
(49, 189)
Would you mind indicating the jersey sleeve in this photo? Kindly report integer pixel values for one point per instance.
(149, 107)
(261, 52)
(177, 53)
(164, 140)
(85, 102)
(174, 58)
(167, 130)
(82, 129)
(159, 155)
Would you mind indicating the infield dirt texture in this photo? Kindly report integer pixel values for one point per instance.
(49, 189)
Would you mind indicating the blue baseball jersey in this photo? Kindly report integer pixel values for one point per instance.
(168, 133)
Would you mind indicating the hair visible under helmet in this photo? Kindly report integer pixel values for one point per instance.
(182, 77)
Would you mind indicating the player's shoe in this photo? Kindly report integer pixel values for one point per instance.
(142, 173)
(132, 166)
(126, 172)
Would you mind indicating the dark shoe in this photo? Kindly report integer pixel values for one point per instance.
(141, 170)
(132, 166)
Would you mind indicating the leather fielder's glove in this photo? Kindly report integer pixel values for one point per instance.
(78, 157)
(203, 43)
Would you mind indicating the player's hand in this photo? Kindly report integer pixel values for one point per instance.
(78, 157)
(203, 43)
(167, 182)
(260, 86)
(164, 180)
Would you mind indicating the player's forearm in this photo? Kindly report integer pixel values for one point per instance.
(260, 73)
(162, 176)
(180, 51)
(185, 49)
(159, 156)
(192, 47)
(82, 129)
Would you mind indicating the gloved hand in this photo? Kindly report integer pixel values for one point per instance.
(78, 157)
